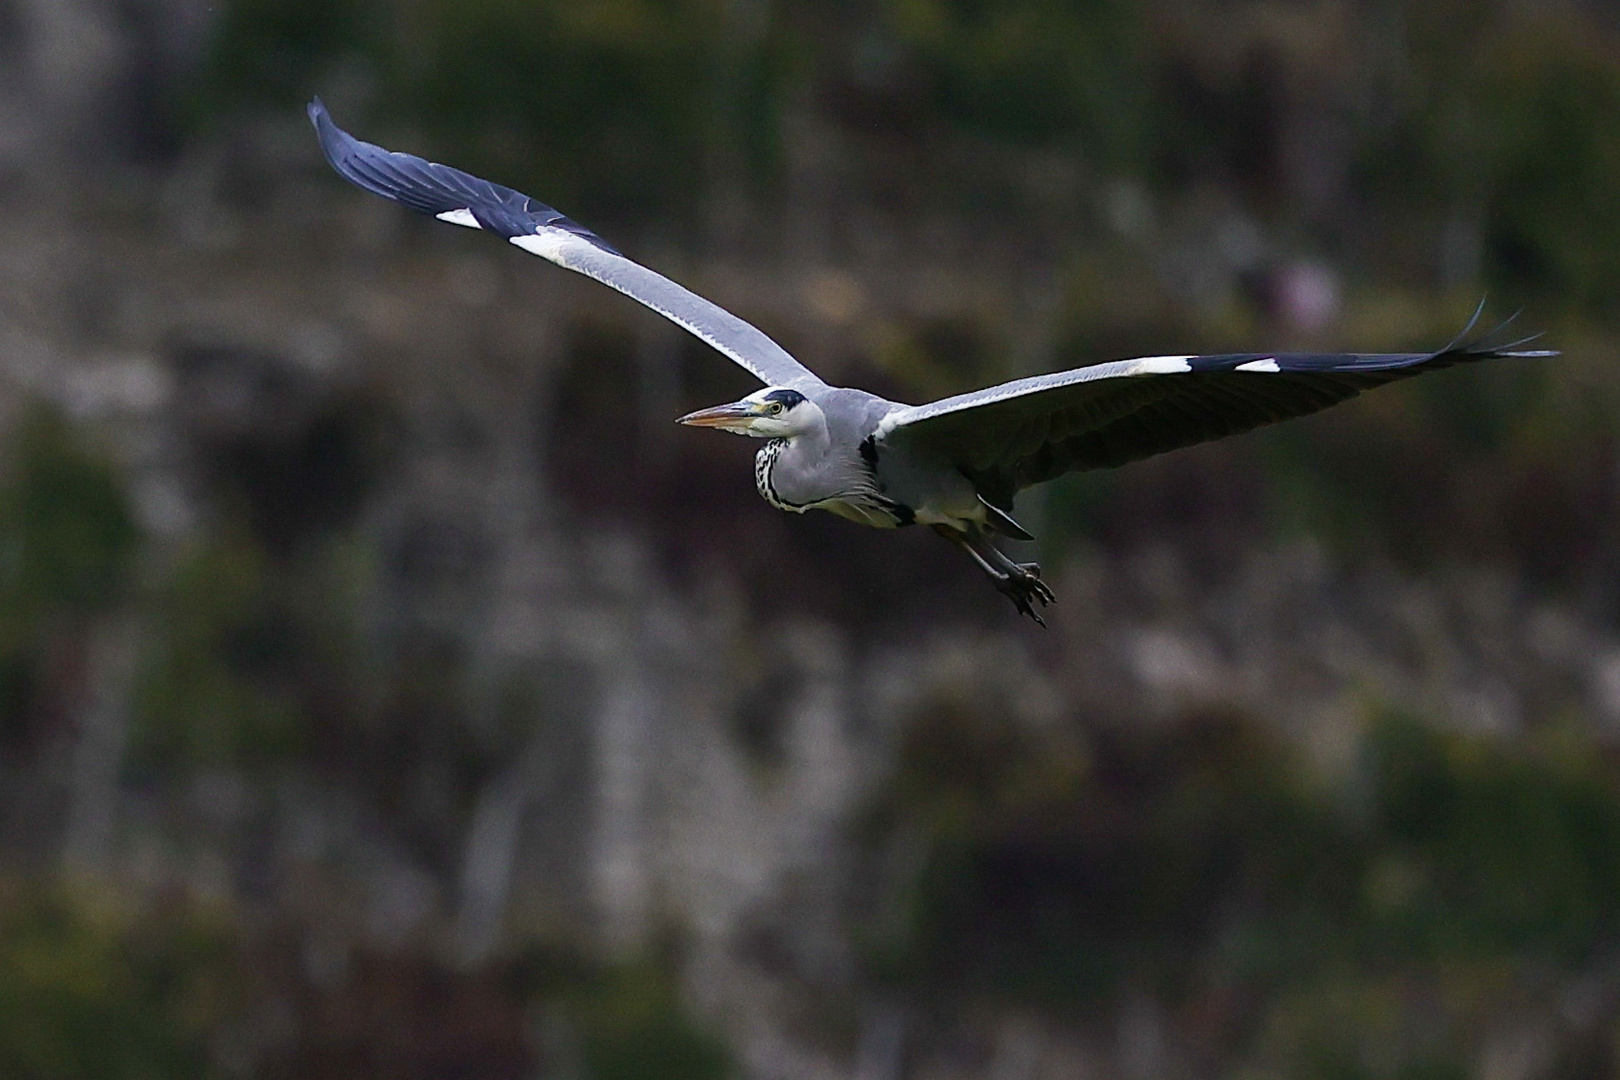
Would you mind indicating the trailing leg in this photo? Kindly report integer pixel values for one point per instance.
(1019, 582)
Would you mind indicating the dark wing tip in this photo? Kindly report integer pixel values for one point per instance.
(434, 189)
(326, 130)
(339, 146)
(320, 118)
(1489, 346)
(324, 126)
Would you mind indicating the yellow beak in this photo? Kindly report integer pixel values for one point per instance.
(734, 417)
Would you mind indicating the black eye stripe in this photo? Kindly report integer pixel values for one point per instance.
(787, 398)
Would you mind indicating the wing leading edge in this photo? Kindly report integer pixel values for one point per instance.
(1012, 436)
(462, 199)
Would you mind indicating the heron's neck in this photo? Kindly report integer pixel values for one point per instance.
(811, 443)
(785, 470)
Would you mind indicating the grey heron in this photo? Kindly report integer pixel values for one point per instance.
(954, 464)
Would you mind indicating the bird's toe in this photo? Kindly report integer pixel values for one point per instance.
(1036, 587)
(1025, 590)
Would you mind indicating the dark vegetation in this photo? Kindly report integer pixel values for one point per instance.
(1289, 918)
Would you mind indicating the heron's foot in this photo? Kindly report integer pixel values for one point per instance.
(1022, 585)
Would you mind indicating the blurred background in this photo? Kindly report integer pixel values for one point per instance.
(388, 688)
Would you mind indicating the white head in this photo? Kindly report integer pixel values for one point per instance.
(775, 412)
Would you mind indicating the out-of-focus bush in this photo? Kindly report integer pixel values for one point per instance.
(1037, 71)
(219, 684)
(68, 542)
(92, 988)
(618, 114)
(1203, 863)
(1510, 128)
(1481, 849)
(271, 50)
(609, 107)
(631, 1024)
(1476, 141)
(1076, 888)
(90, 992)
(67, 533)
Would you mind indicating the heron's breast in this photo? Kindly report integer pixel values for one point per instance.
(936, 493)
(851, 497)
(880, 514)
(765, 478)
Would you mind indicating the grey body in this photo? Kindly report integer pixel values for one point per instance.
(845, 469)
(954, 464)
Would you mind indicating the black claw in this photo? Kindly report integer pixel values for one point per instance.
(1039, 588)
(1026, 586)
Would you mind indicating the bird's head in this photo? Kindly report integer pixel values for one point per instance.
(775, 412)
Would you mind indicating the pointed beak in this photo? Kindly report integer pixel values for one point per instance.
(734, 417)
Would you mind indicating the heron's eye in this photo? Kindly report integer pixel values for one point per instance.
(775, 408)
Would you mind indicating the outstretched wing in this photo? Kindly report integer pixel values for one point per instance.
(1009, 437)
(454, 196)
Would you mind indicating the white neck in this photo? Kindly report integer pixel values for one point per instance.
(785, 469)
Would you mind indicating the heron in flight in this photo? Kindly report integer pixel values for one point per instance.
(954, 464)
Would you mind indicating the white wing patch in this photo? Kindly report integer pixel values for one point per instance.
(1267, 365)
(547, 243)
(460, 217)
(890, 422)
(1160, 365)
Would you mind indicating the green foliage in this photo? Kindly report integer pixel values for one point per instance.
(957, 763)
(90, 994)
(273, 50)
(616, 83)
(211, 690)
(608, 106)
(1204, 854)
(1357, 1031)
(622, 1021)
(1038, 71)
(1510, 465)
(1505, 119)
(1028, 899)
(68, 543)
(632, 1025)
(246, 654)
(1549, 105)
(661, 1042)
(67, 536)
(1487, 117)
(1481, 848)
